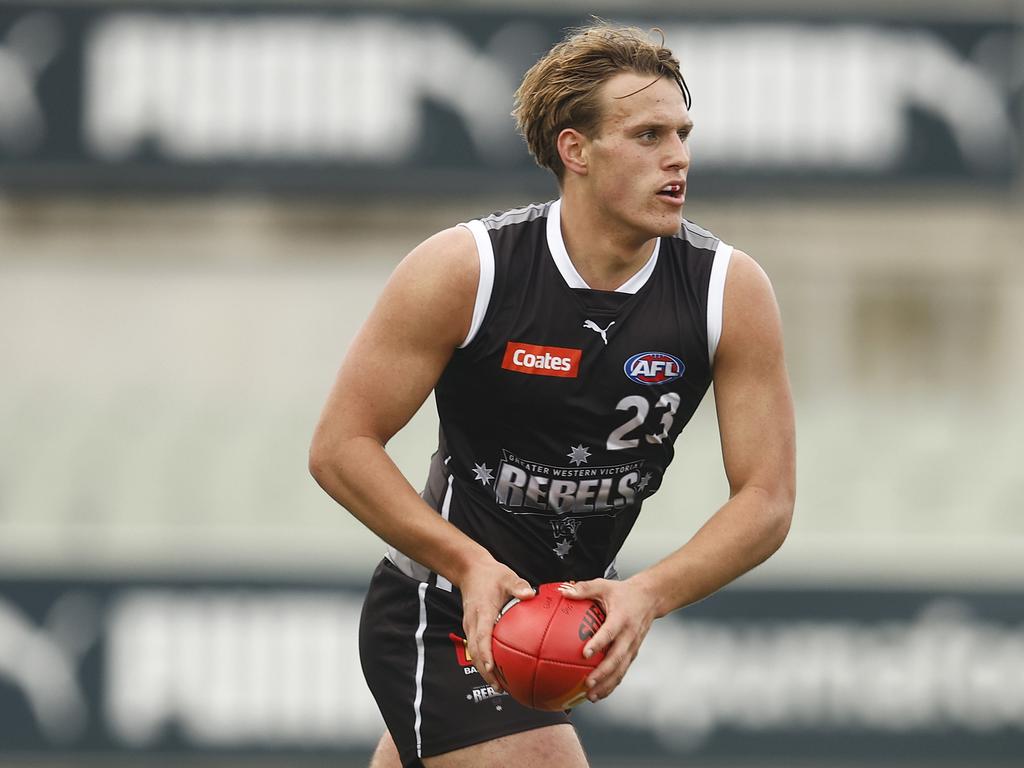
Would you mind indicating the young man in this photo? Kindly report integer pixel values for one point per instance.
(567, 344)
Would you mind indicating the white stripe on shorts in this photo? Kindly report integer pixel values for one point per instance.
(419, 665)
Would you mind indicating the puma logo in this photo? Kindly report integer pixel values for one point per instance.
(591, 325)
(29, 46)
(42, 662)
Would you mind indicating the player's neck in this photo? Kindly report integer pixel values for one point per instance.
(605, 255)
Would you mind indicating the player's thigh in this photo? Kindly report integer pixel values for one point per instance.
(554, 746)
(386, 754)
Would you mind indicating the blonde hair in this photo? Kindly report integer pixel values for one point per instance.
(560, 90)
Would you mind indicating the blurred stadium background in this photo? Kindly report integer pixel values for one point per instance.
(198, 204)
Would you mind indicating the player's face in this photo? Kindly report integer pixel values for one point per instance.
(640, 157)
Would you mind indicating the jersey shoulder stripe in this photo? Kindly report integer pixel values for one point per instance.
(516, 215)
(697, 236)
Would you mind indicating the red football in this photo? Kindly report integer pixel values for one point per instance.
(538, 648)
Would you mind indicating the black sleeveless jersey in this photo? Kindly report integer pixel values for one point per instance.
(559, 412)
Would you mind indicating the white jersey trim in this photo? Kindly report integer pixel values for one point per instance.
(639, 280)
(446, 509)
(407, 565)
(573, 279)
(485, 252)
(716, 297)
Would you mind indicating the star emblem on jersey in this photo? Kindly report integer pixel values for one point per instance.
(483, 474)
(562, 548)
(578, 454)
(591, 325)
(644, 482)
(565, 533)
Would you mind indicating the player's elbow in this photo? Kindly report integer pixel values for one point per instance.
(318, 462)
(780, 514)
(336, 460)
(773, 503)
(325, 462)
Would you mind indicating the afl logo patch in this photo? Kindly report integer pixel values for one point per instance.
(654, 368)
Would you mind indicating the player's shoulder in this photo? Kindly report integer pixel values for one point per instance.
(440, 271)
(450, 249)
(746, 279)
(742, 263)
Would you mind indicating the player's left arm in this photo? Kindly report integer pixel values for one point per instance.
(756, 423)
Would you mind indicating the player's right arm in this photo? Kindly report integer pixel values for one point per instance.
(395, 360)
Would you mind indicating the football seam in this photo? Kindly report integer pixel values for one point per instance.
(496, 638)
(543, 639)
(527, 654)
(567, 663)
(547, 627)
(540, 650)
(513, 649)
(520, 651)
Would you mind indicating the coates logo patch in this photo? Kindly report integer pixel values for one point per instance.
(542, 361)
(654, 367)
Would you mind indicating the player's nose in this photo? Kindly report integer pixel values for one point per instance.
(678, 155)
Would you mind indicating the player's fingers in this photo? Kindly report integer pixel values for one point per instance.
(610, 672)
(602, 639)
(522, 590)
(472, 647)
(615, 648)
(485, 658)
(478, 643)
(601, 684)
(584, 590)
(486, 665)
(598, 591)
(605, 687)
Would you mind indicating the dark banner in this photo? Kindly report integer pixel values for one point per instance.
(245, 668)
(319, 98)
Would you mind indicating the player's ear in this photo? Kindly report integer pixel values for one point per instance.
(573, 149)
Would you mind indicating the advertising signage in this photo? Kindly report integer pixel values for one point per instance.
(308, 98)
(193, 666)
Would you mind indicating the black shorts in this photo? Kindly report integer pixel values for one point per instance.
(431, 696)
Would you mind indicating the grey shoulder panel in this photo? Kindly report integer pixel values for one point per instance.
(697, 236)
(516, 216)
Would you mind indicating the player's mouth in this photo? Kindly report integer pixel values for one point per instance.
(673, 193)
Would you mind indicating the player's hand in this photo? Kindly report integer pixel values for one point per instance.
(485, 591)
(629, 611)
